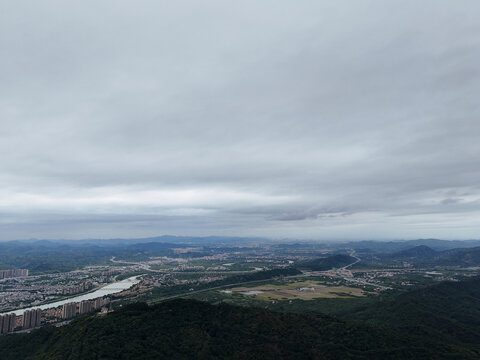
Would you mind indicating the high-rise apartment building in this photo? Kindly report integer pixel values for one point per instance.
(36, 318)
(69, 310)
(32, 318)
(7, 323)
(10, 273)
(85, 307)
(27, 319)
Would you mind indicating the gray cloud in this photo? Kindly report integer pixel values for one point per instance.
(311, 120)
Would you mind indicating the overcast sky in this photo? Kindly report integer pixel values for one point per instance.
(287, 119)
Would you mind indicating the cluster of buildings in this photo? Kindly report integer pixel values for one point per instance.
(7, 323)
(110, 272)
(76, 289)
(11, 273)
(185, 267)
(307, 289)
(32, 318)
(31, 291)
(209, 279)
(29, 319)
(73, 309)
(69, 310)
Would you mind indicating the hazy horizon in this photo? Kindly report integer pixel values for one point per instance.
(243, 238)
(313, 120)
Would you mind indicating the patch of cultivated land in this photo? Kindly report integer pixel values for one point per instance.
(305, 290)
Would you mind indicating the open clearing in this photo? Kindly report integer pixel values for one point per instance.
(305, 290)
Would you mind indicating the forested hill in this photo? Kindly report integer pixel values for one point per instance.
(448, 312)
(420, 251)
(188, 329)
(327, 263)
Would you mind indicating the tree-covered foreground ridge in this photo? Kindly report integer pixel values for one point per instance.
(435, 322)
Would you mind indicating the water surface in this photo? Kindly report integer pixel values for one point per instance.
(109, 289)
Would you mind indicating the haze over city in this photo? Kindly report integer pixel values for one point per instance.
(305, 120)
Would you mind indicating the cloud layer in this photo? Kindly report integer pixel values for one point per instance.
(318, 119)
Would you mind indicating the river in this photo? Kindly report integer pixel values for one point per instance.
(109, 289)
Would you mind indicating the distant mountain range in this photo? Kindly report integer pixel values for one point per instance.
(426, 255)
(463, 257)
(419, 252)
(382, 246)
(42, 256)
(394, 246)
(205, 240)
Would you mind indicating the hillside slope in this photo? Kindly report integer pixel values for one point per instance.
(448, 312)
(420, 251)
(437, 322)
